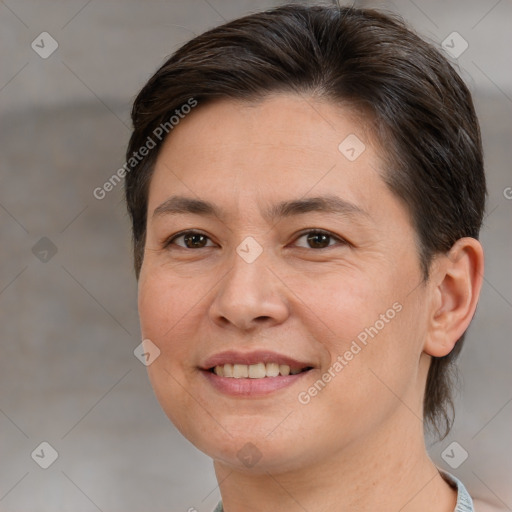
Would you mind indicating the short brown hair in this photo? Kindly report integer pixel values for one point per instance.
(420, 109)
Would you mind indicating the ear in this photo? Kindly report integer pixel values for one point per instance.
(455, 281)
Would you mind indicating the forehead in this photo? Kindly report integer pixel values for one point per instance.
(282, 147)
(280, 122)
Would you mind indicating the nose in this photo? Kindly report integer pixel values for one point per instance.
(249, 296)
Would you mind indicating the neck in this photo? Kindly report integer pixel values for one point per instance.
(390, 470)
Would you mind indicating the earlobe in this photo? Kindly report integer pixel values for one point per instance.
(456, 281)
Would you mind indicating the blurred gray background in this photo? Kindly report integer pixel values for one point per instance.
(68, 317)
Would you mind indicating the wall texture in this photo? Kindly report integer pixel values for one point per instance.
(68, 318)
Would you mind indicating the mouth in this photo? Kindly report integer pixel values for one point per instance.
(253, 374)
(259, 370)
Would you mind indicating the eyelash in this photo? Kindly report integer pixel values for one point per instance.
(170, 241)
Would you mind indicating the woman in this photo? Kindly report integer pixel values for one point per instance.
(306, 189)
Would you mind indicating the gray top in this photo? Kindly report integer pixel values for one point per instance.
(464, 501)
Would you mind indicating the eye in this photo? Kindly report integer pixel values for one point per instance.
(189, 240)
(318, 239)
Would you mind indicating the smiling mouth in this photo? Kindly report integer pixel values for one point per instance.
(256, 371)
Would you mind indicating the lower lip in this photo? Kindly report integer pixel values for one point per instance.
(251, 387)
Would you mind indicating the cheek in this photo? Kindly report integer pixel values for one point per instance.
(372, 329)
(166, 304)
(166, 308)
(378, 368)
(340, 307)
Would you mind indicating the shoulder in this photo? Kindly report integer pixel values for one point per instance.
(483, 506)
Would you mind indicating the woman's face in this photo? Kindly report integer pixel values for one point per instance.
(274, 246)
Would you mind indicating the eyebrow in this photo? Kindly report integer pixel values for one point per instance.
(176, 205)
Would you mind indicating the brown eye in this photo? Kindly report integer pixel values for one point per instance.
(314, 239)
(190, 240)
(318, 240)
(195, 240)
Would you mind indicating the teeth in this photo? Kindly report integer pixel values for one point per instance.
(284, 369)
(257, 371)
(272, 369)
(228, 370)
(240, 371)
(254, 371)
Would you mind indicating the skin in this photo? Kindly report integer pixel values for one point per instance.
(358, 444)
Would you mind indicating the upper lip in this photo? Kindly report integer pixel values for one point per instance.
(254, 357)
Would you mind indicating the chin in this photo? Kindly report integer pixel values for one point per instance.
(248, 451)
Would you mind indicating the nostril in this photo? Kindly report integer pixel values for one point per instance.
(262, 318)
